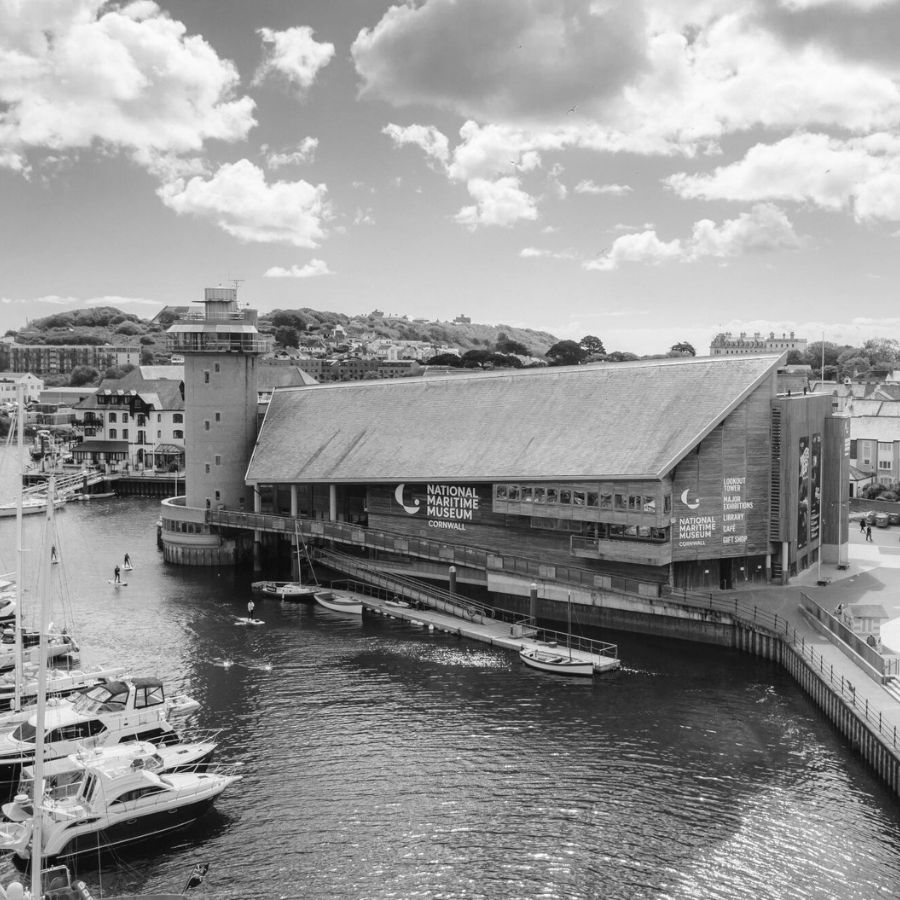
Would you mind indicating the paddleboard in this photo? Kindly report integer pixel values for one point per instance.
(127, 568)
(246, 621)
(117, 584)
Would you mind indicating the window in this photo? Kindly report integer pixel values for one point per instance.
(593, 498)
(159, 434)
(113, 434)
(206, 377)
(124, 417)
(177, 418)
(634, 502)
(217, 367)
(178, 434)
(218, 460)
(667, 503)
(501, 491)
(620, 501)
(112, 417)
(159, 417)
(514, 492)
(207, 468)
(124, 434)
(540, 495)
(552, 495)
(606, 501)
(206, 425)
(649, 504)
(218, 417)
(218, 496)
(565, 495)
(141, 420)
(148, 695)
(884, 464)
(578, 498)
(527, 495)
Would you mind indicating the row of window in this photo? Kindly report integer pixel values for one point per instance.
(563, 496)
(177, 434)
(604, 530)
(183, 527)
(177, 418)
(218, 463)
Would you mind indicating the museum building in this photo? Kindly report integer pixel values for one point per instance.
(646, 476)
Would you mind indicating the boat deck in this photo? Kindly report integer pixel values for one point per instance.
(489, 631)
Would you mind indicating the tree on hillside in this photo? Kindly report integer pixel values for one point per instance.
(129, 328)
(621, 356)
(592, 345)
(508, 346)
(683, 348)
(287, 337)
(445, 359)
(566, 353)
(81, 375)
(287, 318)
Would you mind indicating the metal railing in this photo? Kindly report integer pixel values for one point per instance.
(451, 554)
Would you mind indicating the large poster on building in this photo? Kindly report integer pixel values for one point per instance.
(803, 493)
(815, 488)
(447, 507)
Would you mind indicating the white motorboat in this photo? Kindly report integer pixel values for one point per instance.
(108, 713)
(341, 603)
(552, 660)
(117, 802)
(60, 683)
(30, 506)
(59, 643)
(63, 777)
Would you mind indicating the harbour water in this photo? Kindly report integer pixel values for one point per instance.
(384, 761)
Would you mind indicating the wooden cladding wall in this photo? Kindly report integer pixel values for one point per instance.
(494, 532)
(721, 489)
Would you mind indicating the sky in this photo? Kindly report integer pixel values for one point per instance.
(646, 171)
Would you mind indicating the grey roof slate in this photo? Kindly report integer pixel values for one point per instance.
(580, 422)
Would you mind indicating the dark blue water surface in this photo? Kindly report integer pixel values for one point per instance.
(384, 761)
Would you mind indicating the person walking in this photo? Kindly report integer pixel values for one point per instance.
(868, 532)
(862, 524)
(117, 575)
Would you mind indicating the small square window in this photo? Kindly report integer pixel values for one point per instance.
(206, 377)
(216, 367)
(649, 504)
(578, 498)
(218, 417)
(218, 496)
(501, 491)
(207, 468)
(552, 495)
(514, 492)
(218, 460)
(206, 424)
(593, 498)
(527, 495)
(565, 495)
(540, 495)
(621, 502)
(606, 501)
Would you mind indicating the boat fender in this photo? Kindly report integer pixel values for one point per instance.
(83, 892)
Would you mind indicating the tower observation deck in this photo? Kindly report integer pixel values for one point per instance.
(221, 346)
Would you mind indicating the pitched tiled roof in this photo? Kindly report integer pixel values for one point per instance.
(595, 421)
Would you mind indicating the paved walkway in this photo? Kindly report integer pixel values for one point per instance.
(871, 580)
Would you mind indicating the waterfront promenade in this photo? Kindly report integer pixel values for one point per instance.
(871, 581)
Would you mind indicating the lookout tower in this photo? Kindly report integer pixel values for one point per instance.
(221, 347)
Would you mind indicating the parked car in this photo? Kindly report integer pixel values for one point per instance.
(870, 517)
(881, 520)
(894, 518)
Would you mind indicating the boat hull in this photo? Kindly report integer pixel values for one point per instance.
(339, 603)
(555, 663)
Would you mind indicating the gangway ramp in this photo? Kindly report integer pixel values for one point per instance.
(449, 612)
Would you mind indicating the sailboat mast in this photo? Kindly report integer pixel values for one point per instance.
(569, 631)
(19, 663)
(46, 573)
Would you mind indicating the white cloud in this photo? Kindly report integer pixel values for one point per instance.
(294, 56)
(860, 173)
(238, 199)
(305, 153)
(500, 202)
(312, 269)
(434, 144)
(652, 77)
(537, 253)
(764, 229)
(591, 187)
(77, 73)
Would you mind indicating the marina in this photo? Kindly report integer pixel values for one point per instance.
(400, 735)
